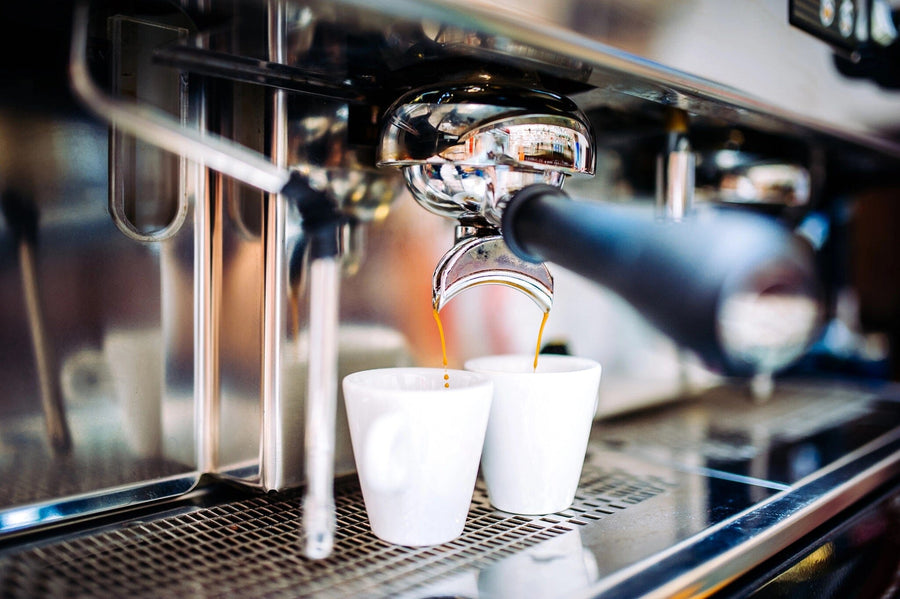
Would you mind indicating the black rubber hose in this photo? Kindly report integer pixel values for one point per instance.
(677, 274)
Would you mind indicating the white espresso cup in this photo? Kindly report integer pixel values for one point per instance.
(135, 361)
(538, 430)
(417, 445)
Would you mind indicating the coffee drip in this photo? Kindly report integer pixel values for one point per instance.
(440, 326)
(437, 319)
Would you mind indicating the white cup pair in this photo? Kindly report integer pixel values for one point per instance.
(417, 444)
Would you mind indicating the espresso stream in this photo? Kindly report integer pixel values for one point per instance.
(437, 319)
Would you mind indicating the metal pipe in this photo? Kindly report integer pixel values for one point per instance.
(273, 283)
(321, 406)
(21, 216)
(675, 168)
(161, 130)
(207, 316)
(321, 393)
(51, 399)
(207, 293)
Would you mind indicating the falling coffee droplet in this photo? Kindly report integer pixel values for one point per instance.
(437, 319)
(537, 350)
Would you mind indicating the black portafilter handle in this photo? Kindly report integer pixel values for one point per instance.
(738, 289)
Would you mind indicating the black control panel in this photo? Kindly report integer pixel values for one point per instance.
(863, 33)
(838, 22)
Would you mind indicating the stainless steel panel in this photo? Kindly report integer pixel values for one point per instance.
(112, 310)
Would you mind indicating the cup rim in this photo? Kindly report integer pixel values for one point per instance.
(482, 364)
(369, 379)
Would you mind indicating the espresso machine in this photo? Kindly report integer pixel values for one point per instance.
(215, 210)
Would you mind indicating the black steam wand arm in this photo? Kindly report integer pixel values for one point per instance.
(677, 274)
(321, 218)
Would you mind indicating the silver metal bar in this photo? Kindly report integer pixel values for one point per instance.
(675, 168)
(207, 296)
(675, 181)
(163, 131)
(273, 283)
(51, 399)
(321, 406)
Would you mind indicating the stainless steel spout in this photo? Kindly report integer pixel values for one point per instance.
(481, 257)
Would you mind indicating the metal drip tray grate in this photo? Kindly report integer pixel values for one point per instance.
(723, 429)
(100, 459)
(251, 548)
(50, 477)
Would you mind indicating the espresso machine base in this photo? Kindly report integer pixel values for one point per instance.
(697, 498)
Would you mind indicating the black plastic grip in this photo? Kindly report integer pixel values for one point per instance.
(321, 217)
(677, 274)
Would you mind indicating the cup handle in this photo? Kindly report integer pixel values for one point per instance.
(85, 376)
(386, 455)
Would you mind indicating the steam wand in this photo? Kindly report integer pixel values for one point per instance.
(321, 224)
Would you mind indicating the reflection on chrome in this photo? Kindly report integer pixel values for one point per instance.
(770, 329)
(486, 260)
(554, 568)
(465, 150)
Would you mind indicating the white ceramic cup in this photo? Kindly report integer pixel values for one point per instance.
(417, 446)
(135, 361)
(558, 567)
(538, 430)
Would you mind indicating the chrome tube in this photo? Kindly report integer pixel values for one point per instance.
(207, 303)
(51, 399)
(161, 130)
(675, 168)
(321, 406)
(273, 283)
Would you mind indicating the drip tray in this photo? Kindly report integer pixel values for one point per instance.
(251, 548)
(643, 521)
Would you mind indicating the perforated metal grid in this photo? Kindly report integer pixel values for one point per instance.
(31, 473)
(737, 428)
(100, 458)
(251, 548)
